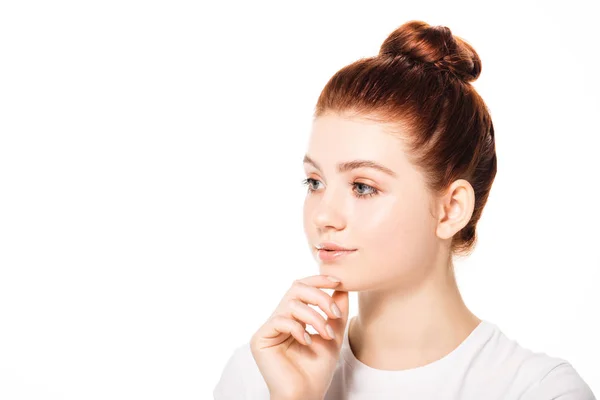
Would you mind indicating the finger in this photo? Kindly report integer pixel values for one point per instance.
(307, 315)
(341, 298)
(312, 295)
(320, 281)
(280, 324)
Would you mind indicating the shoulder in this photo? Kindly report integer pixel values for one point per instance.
(561, 382)
(531, 375)
(240, 375)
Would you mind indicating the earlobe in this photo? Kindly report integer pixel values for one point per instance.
(456, 209)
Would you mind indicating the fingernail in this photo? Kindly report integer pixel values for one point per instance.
(330, 331)
(334, 279)
(307, 338)
(336, 310)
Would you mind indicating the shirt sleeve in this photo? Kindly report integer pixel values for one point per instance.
(231, 384)
(561, 383)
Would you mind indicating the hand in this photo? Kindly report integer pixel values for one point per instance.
(293, 368)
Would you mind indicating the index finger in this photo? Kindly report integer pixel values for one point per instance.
(321, 281)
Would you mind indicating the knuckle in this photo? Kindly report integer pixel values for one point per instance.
(322, 321)
(326, 303)
(299, 283)
(254, 340)
(277, 318)
(292, 304)
(297, 326)
(316, 318)
(273, 320)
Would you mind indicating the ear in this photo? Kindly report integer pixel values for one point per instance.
(455, 208)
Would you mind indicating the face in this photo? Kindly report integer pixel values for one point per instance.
(387, 219)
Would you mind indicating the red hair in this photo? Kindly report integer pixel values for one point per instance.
(420, 83)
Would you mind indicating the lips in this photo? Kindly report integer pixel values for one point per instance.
(332, 246)
(333, 255)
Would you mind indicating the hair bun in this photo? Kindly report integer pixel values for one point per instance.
(434, 45)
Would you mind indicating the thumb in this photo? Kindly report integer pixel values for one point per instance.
(339, 324)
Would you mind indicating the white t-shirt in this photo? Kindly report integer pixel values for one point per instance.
(487, 365)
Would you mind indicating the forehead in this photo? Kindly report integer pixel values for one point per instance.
(337, 138)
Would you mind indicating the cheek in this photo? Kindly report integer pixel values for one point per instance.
(306, 210)
(388, 231)
(398, 234)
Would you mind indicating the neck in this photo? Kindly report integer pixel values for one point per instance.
(406, 328)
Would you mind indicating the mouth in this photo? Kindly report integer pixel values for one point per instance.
(333, 250)
(329, 255)
(329, 246)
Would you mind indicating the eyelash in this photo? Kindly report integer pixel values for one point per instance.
(353, 184)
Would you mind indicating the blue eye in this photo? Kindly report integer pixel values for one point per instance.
(309, 181)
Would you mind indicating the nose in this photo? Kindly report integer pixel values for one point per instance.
(328, 212)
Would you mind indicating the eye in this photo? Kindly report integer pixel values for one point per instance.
(373, 191)
(308, 182)
(358, 185)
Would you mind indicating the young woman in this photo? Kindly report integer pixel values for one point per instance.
(399, 166)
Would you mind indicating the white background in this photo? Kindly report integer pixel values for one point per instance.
(151, 166)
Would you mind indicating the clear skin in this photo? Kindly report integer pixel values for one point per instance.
(410, 311)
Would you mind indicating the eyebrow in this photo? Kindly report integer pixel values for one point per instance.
(354, 164)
